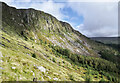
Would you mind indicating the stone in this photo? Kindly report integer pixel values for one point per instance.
(42, 69)
(55, 78)
(13, 67)
(1, 54)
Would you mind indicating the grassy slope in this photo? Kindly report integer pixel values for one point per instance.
(16, 55)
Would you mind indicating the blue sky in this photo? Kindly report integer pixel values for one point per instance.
(93, 18)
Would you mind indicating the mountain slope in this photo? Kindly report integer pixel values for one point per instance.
(32, 24)
(36, 44)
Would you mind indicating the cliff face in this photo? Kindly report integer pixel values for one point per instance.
(35, 24)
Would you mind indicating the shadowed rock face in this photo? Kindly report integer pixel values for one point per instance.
(33, 19)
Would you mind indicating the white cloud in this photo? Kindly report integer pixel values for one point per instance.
(93, 0)
(100, 18)
(15, 1)
(80, 26)
(6, 1)
(22, 0)
(50, 7)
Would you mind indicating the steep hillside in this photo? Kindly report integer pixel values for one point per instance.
(36, 25)
(36, 44)
(33, 24)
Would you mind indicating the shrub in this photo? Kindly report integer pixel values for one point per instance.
(31, 38)
(34, 55)
(102, 80)
(25, 38)
(41, 41)
(71, 77)
(45, 42)
(88, 78)
(32, 46)
(53, 60)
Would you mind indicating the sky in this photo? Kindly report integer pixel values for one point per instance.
(92, 18)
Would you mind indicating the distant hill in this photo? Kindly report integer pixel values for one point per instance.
(107, 40)
(113, 42)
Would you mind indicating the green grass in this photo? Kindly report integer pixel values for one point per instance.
(20, 58)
